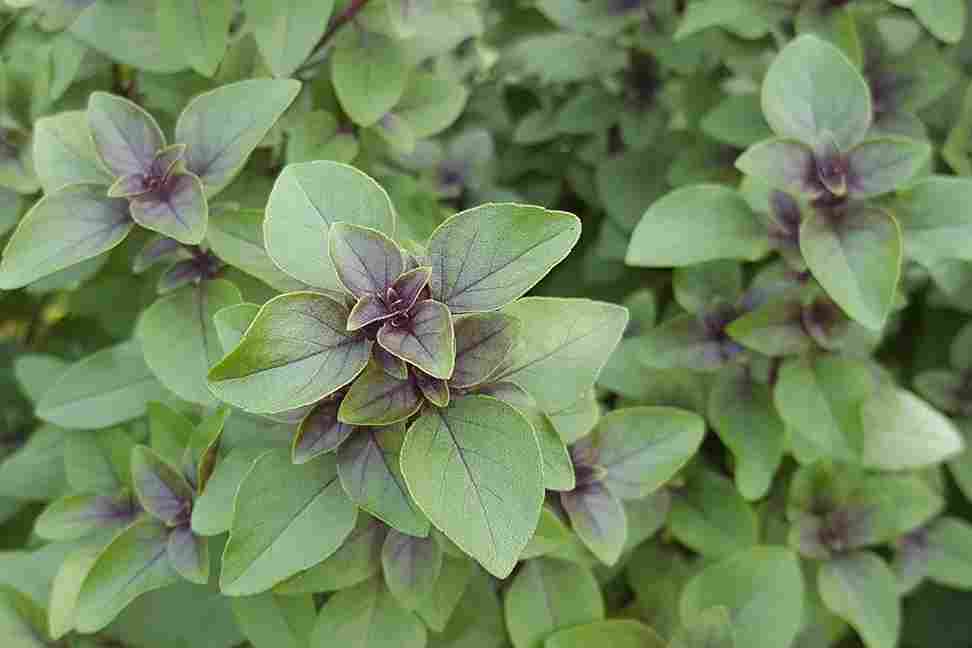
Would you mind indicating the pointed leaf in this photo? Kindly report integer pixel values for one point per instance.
(426, 339)
(950, 561)
(782, 163)
(559, 356)
(220, 137)
(179, 337)
(134, 563)
(810, 88)
(231, 324)
(236, 237)
(411, 567)
(369, 73)
(439, 608)
(125, 136)
(199, 29)
(711, 517)
(482, 342)
(391, 365)
(934, 221)
(189, 554)
(377, 398)
(370, 470)
(435, 390)
(715, 218)
(558, 471)
(320, 432)
(109, 387)
(77, 516)
(367, 616)
(76, 223)
(855, 254)
(861, 589)
(160, 487)
(486, 257)
(546, 596)
(66, 588)
(64, 152)
(306, 200)
(286, 519)
(598, 519)
(368, 310)
(99, 461)
(294, 353)
(287, 32)
(367, 262)
(474, 469)
(178, 210)
(880, 165)
(212, 512)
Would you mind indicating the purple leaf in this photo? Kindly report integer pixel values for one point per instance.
(482, 343)
(368, 310)
(832, 165)
(599, 520)
(128, 186)
(424, 338)
(176, 208)
(189, 554)
(376, 398)
(407, 288)
(125, 136)
(411, 567)
(160, 248)
(320, 432)
(390, 364)
(367, 262)
(785, 164)
(178, 275)
(434, 389)
(160, 487)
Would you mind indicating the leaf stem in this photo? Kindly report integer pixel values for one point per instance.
(347, 15)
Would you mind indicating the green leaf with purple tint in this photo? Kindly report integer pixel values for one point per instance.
(368, 310)
(855, 253)
(775, 328)
(77, 516)
(482, 342)
(390, 364)
(367, 616)
(370, 471)
(411, 567)
(125, 136)
(135, 562)
(425, 338)
(487, 256)
(160, 487)
(320, 432)
(435, 390)
(220, 136)
(782, 163)
(367, 262)
(475, 470)
(189, 554)
(598, 519)
(878, 166)
(295, 352)
(178, 209)
(73, 224)
(861, 589)
(377, 398)
(64, 153)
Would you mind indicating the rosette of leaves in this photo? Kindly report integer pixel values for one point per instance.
(108, 169)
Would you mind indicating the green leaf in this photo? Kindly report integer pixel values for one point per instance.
(861, 589)
(735, 15)
(295, 352)
(179, 337)
(487, 256)
(368, 71)
(431, 103)
(482, 342)
(77, 516)
(454, 579)
(134, 563)
(712, 629)
(64, 152)
(161, 489)
(599, 520)
(169, 430)
(197, 28)
(945, 19)
(109, 387)
(273, 621)
(714, 218)
(737, 121)
(317, 135)
(782, 163)
(36, 469)
(748, 583)
(546, 596)
(901, 432)
(950, 559)
(775, 328)
(286, 519)
(711, 517)
(742, 412)
(319, 432)
(558, 357)
(357, 560)
(617, 633)
(236, 237)
(36, 371)
(76, 223)
(880, 165)
(377, 398)
(812, 88)
(189, 554)
(19, 621)
(411, 567)
(99, 461)
(558, 471)
(482, 450)
(125, 136)
(641, 448)
(366, 261)
(306, 200)
(371, 474)
(220, 137)
(112, 26)
(700, 286)
(427, 340)
(855, 254)
(66, 588)
(367, 616)
(933, 219)
(212, 512)
(179, 210)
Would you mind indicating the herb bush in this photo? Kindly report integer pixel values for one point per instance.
(467, 324)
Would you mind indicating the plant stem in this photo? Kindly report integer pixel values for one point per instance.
(340, 20)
